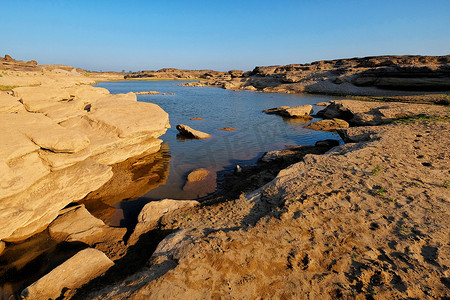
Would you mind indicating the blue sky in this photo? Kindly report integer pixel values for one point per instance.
(221, 35)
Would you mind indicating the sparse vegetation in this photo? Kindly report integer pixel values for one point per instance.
(7, 87)
(403, 230)
(446, 184)
(381, 191)
(377, 170)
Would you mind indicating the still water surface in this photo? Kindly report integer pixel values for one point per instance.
(256, 132)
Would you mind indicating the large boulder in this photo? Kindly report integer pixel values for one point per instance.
(73, 273)
(153, 211)
(188, 132)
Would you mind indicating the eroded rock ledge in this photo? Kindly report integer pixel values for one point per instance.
(376, 75)
(58, 141)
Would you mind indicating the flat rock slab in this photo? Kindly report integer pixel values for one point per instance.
(188, 132)
(153, 211)
(328, 125)
(376, 113)
(275, 110)
(227, 129)
(73, 273)
(148, 93)
(10, 104)
(291, 112)
(77, 224)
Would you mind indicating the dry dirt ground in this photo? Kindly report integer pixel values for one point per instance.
(367, 220)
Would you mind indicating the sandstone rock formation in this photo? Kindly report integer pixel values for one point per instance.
(376, 75)
(372, 113)
(77, 224)
(188, 132)
(172, 73)
(148, 93)
(328, 125)
(302, 111)
(197, 175)
(201, 182)
(58, 140)
(73, 273)
(153, 211)
(227, 129)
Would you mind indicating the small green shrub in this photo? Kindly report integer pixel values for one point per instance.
(381, 192)
(403, 230)
(377, 170)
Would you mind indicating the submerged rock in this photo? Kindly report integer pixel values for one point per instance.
(147, 93)
(227, 129)
(188, 132)
(197, 175)
(73, 273)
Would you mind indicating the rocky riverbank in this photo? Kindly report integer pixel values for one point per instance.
(372, 76)
(60, 136)
(369, 218)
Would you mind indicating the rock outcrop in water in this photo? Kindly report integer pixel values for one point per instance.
(188, 132)
(302, 111)
(376, 75)
(58, 140)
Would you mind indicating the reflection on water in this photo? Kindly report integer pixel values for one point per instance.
(23, 263)
(132, 179)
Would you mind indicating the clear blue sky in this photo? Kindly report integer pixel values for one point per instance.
(222, 35)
